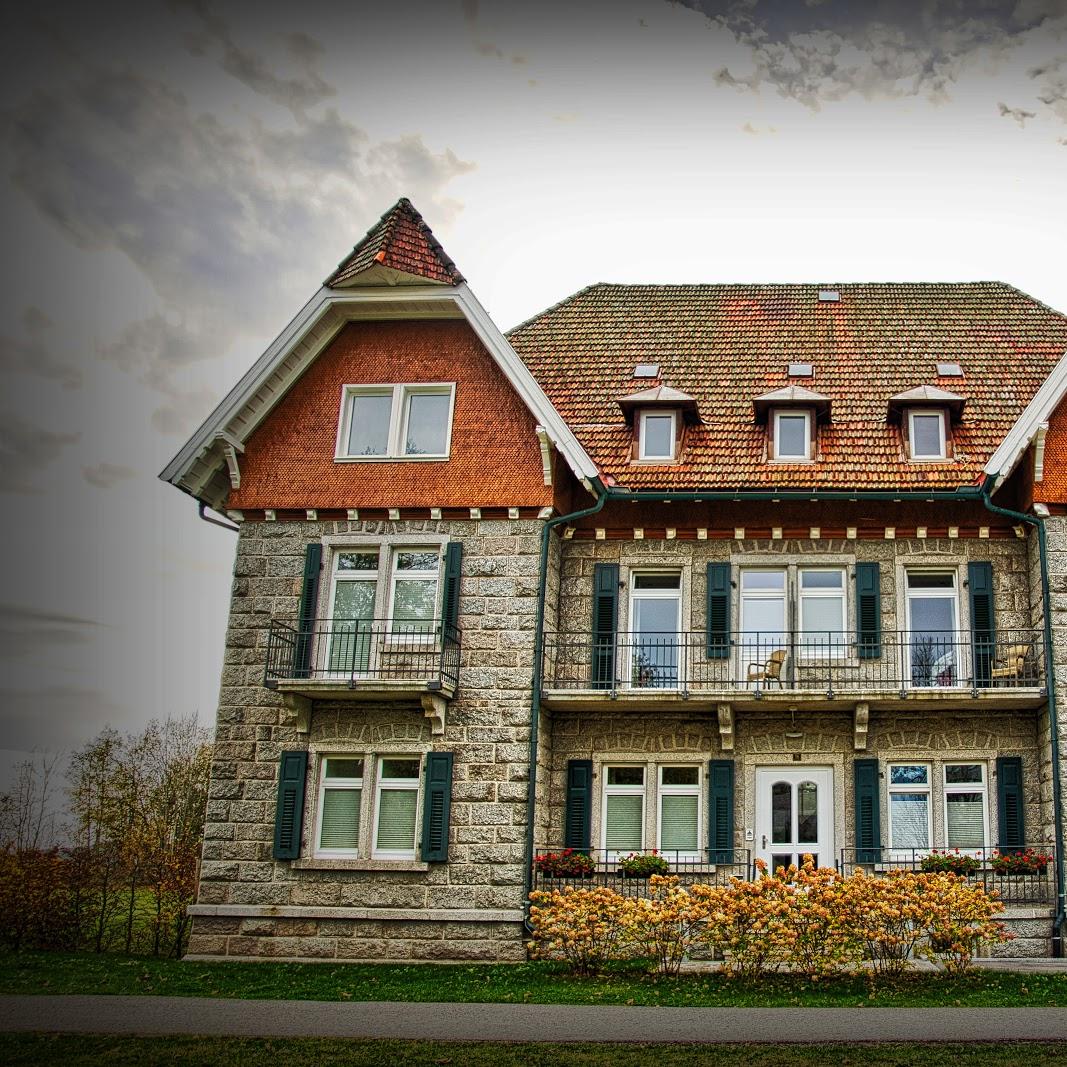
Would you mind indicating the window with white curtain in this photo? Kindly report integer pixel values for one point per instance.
(909, 806)
(624, 809)
(823, 623)
(966, 808)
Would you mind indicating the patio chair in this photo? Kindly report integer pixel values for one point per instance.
(1012, 665)
(771, 670)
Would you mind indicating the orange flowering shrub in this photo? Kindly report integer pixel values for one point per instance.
(585, 927)
(819, 938)
(666, 924)
(961, 921)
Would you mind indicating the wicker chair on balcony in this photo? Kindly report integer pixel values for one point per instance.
(772, 670)
(1012, 666)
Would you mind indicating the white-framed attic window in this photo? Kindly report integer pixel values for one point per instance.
(657, 435)
(791, 436)
(410, 421)
(927, 434)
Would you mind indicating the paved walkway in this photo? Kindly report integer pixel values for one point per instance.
(523, 1022)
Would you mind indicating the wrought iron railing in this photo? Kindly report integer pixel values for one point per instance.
(818, 661)
(605, 867)
(989, 867)
(357, 650)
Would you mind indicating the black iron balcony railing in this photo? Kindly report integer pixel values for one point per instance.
(598, 867)
(1022, 874)
(353, 651)
(815, 661)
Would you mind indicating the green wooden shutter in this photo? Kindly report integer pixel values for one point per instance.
(289, 817)
(718, 611)
(721, 811)
(868, 811)
(579, 804)
(1011, 820)
(868, 611)
(436, 807)
(605, 624)
(450, 593)
(983, 624)
(309, 599)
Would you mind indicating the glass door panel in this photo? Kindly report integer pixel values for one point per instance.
(350, 627)
(655, 624)
(932, 630)
(794, 815)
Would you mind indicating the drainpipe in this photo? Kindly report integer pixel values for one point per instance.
(1053, 723)
(216, 522)
(535, 689)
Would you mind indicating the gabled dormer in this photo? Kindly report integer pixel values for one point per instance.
(926, 415)
(658, 417)
(792, 416)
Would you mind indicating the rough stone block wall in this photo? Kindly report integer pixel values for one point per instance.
(487, 730)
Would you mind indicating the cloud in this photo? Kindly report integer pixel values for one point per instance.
(226, 217)
(105, 475)
(30, 355)
(25, 631)
(1016, 113)
(54, 718)
(25, 450)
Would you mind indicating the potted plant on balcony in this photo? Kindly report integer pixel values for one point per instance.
(1027, 861)
(643, 865)
(954, 862)
(568, 863)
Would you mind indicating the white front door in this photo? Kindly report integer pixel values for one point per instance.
(794, 815)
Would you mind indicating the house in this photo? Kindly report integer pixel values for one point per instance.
(723, 571)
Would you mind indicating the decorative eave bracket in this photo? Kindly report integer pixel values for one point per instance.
(860, 718)
(726, 727)
(546, 453)
(1039, 452)
(300, 706)
(435, 708)
(230, 448)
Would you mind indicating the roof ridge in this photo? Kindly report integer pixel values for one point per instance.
(552, 307)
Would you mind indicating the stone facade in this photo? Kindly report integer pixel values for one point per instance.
(468, 908)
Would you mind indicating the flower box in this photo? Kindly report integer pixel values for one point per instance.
(1028, 861)
(643, 865)
(949, 862)
(568, 863)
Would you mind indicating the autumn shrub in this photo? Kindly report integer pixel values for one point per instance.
(819, 939)
(584, 927)
(889, 916)
(959, 921)
(38, 907)
(668, 923)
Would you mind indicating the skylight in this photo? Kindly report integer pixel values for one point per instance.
(829, 296)
(801, 370)
(646, 370)
(949, 370)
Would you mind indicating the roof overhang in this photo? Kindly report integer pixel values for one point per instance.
(792, 396)
(928, 396)
(201, 466)
(1028, 425)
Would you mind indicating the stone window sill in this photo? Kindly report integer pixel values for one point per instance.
(313, 863)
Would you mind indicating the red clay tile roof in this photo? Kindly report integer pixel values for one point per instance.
(728, 344)
(401, 240)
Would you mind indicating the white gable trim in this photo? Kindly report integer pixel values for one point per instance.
(315, 325)
(1028, 425)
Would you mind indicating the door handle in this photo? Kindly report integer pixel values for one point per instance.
(764, 840)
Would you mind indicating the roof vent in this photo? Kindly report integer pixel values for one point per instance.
(646, 370)
(949, 370)
(829, 296)
(801, 370)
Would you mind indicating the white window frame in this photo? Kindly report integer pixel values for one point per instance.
(683, 791)
(337, 577)
(398, 419)
(395, 575)
(383, 784)
(914, 413)
(642, 453)
(903, 851)
(943, 593)
(791, 413)
(655, 594)
(345, 784)
(966, 787)
(622, 790)
(840, 648)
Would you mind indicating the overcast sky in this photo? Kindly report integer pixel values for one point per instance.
(176, 179)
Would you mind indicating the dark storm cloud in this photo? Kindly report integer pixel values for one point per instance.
(25, 451)
(227, 216)
(817, 53)
(30, 355)
(105, 475)
(26, 630)
(55, 718)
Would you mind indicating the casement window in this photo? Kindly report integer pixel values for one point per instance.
(655, 622)
(395, 808)
(411, 422)
(927, 435)
(355, 587)
(823, 622)
(909, 806)
(772, 606)
(624, 809)
(413, 592)
(933, 628)
(966, 806)
(657, 433)
(340, 804)
(791, 436)
(679, 811)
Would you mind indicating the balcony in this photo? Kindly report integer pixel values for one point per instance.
(364, 659)
(821, 669)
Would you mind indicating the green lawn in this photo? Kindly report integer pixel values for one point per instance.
(80, 1051)
(536, 983)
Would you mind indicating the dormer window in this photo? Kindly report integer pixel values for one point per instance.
(927, 438)
(657, 435)
(791, 438)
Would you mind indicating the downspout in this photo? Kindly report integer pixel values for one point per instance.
(535, 688)
(216, 522)
(1053, 723)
